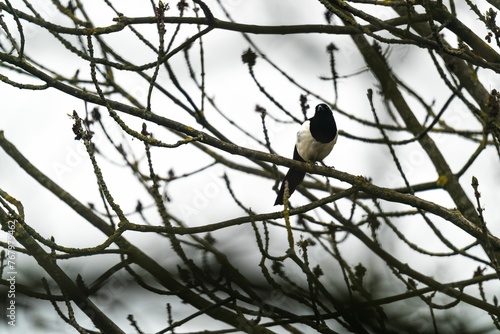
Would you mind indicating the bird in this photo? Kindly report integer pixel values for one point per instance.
(315, 141)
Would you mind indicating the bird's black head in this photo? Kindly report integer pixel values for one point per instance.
(323, 111)
(323, 126)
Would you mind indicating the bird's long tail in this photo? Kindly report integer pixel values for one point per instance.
(294, 178)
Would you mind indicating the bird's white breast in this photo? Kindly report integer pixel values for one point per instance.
(309, 148)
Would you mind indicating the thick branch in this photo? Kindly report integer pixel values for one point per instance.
(123, 21)
(68, 287)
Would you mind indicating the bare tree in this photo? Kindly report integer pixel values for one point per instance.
(343, 257)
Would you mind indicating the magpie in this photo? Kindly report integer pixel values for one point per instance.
(315, 140)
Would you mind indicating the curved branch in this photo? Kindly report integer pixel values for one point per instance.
(254, 155)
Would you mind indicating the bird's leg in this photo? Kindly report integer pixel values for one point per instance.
(323, 164)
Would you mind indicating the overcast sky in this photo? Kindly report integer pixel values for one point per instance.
(37, 123)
